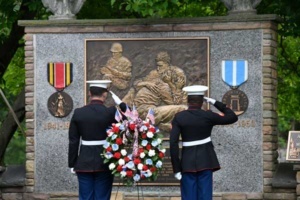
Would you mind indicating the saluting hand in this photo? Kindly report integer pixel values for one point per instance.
(116, 98)
(210, 100)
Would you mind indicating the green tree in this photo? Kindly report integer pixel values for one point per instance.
(12, 63)
(288, 66)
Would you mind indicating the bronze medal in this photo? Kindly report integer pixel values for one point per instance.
(237, 100)
(60, 104)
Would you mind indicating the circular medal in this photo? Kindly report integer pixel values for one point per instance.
(60, 104)
(237, 100)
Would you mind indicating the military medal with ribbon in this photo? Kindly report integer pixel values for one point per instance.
(60, 76)
(234, 74)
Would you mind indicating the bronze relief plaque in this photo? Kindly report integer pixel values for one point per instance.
(150, 73)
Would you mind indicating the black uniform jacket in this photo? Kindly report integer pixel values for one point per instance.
(193, 125)
(90, 123)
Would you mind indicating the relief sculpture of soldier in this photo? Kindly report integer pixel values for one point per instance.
(161, 90)
(118, 68)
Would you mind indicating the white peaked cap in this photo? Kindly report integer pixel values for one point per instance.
(195, 89)
(99, 83)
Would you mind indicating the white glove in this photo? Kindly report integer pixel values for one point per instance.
(116, 98)
(178, 176)
(210, 100)
(72, 171)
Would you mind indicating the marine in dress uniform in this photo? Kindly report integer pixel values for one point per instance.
(198, 159)
(87, 134)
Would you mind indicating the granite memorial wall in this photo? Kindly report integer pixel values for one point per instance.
(203, 48)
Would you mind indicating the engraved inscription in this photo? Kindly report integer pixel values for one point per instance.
(56, 126)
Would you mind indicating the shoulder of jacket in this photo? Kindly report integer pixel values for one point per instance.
(183, 112)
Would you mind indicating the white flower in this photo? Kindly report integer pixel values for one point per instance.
(149, 162)
(114, 136)
(130, 165)
(106, 144)
(136, 178)
(121, 161)
(144, 143)
(149, 173)
(118, 124)
(151, 152)
(163, 150)
(122, 127)
(142, 155)
(158, 164)
(140, 166)
(108, 155)
(159, 140)
(150, 134)
(143, 128)
(111, 166)
(123, 174)
(154, 143)
(115, 147)
(123, 152)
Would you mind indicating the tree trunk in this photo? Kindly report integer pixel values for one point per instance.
(7, 51)
(9, 125)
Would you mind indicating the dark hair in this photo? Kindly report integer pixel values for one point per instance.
(97, 91)
(195, 100)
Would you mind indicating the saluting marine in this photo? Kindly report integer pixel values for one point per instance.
(198, 160)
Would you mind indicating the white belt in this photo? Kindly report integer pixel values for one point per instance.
(197, 142)
(91, 143)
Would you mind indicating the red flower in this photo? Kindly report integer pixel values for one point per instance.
(145, 167)
(115, 129)
(136, 161)
(153, 169)
(119, 141)
(152, 129)
(119, 168)
(148, 147)
(129, 173)
(126, 159)
(108, 149)
(161, 154)
(131, 126)
(117, 155)
(144, 135)
(147, 124)
(141, 150)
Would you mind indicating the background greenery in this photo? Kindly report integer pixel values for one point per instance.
(12, 50)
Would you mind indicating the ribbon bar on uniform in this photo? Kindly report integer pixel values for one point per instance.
(197, 142)
(91, 143)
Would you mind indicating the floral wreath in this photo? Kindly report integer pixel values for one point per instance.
(143, 138)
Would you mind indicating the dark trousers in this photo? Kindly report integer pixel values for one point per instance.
(95, 185)
(197, 185)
